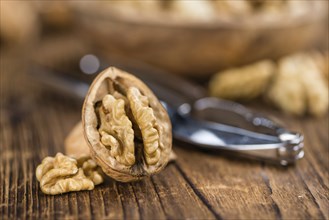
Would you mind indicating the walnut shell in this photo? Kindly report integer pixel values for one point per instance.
(127, 129)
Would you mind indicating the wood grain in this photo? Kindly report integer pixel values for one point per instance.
(199, 185)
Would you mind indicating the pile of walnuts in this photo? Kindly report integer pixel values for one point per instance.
(296, 84)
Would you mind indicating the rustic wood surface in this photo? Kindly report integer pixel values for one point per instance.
(198, 185)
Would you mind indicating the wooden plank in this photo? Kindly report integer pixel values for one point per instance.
(148, 201)
(112, 200)
(25, 178)
(316, 145)
(10, 174)
(316, 173)
(5, 155)
(97, 204)
(233, 188)
(290, 186)
(177, 197)
(129, 201)
(314, 167)
(291, 195)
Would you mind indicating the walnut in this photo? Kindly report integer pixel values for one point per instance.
(295, 85)
(21, 22)
(127, 129)
(91, 170)
(242, 83)
(61, 174)
(286, 92)
(299, 86)
(321, 60)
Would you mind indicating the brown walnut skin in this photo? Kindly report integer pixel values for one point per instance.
(110, 81)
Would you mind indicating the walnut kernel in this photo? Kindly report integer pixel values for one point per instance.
(299, 86)
(61, 174)
(243, 83)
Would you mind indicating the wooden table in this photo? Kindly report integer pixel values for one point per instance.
(198, 185)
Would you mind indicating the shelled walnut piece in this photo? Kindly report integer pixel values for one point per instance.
(321, 59)
(299, 86)
(62, 174)
(296, 85)
(242, 83)
(126, 127)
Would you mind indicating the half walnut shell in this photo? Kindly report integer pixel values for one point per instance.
(127, 129)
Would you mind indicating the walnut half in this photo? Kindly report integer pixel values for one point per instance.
(127, 129)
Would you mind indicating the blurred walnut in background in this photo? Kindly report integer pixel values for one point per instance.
(242, 83)
(297, 84)
(19, 22)
(24, 22)
(300, 86)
